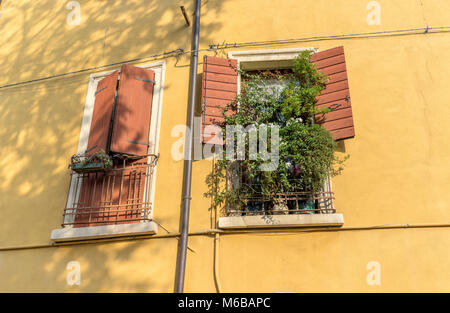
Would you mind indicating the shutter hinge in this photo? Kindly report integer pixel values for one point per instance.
(90, 149)
(140, 142)
(334, 106)
(100, 90)
(146, 80)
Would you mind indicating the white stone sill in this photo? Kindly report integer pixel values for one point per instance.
(100, 232)
(277, 221)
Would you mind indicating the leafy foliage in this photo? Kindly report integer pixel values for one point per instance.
(98, 157)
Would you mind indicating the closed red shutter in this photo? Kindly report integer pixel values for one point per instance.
(336, 95)
(113, 197)
(133, 111)
(90, 199)
(129, 194)
(219, 88)
(101, 116)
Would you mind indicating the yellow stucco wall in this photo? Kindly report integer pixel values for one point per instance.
(398, 172)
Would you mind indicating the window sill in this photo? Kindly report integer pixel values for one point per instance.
(100, 232)
(276, 221)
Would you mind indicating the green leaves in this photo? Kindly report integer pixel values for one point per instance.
(299, 98)
(99, 156)
(306, 73)
(310, 148)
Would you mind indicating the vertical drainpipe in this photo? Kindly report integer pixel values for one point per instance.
(182, 245)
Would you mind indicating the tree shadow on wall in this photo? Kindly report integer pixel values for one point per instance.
(40, 122)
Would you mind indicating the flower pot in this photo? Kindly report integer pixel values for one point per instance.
(254, 207)
(89, 167)
(280, 207)
(306, 207)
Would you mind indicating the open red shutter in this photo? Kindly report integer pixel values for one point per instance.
(336, 95)
(220, 85)
(133, 111)
(101, 116)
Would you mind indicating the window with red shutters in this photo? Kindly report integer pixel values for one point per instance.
(120, 126)
(336, 95)
(220, 86)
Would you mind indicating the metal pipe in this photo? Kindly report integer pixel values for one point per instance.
(184, 229)
(216, 263)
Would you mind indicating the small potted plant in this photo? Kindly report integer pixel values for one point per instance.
(99, 161)
(280, 207)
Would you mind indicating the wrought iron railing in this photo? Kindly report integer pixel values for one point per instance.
(294, 202)
(118, 195)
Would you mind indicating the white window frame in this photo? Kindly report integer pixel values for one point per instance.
(276, 59)
(71, 233)
(265, 59)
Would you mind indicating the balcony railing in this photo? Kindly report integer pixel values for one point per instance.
(294, 202)
(117, 196)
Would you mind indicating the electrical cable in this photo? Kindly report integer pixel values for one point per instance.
(410, 31)
(222, 232)
(176, 52)
(215, 47)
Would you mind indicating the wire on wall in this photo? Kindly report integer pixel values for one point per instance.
(214, 47)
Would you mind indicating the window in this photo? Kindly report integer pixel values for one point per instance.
(121, 120)
(296, 201)
(297, 207)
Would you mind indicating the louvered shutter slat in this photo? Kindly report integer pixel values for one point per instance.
(221, 78)
(219, 88)
(133, 111)
(336, 94)
(220, 94)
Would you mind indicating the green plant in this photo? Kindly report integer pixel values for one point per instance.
(306, 150)
(101, 157)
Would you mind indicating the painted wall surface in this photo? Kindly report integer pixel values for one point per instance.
(398, 171)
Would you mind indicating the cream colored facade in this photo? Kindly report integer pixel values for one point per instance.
(393, 192)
